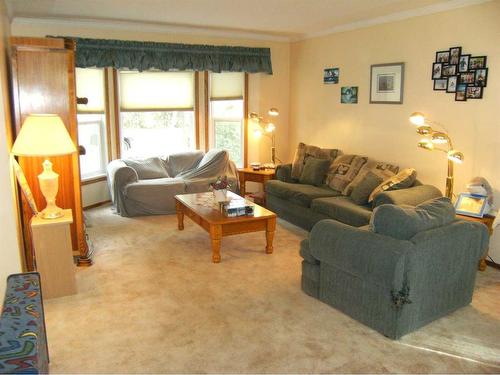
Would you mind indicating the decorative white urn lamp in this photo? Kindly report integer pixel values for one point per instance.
(45, 135)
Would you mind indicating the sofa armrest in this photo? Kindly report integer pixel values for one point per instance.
(284, 172)
(360, 252)
(119, 175)
(411, 196)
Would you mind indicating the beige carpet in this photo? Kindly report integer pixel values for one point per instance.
(154, 302)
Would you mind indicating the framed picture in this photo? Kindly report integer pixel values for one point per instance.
(440, 84)
(455, 55)
(23, 183)
(349, 95)
(474, 92)
(463, 64)
(452, 84)
(477, 62)
(468, 77)
(449, 70)
(331, 76)
(471, 205)
(443, 57)
(460, 94)
(386, 83)
(437, 69)
(481, 77)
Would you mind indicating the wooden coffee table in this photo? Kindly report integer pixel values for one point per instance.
(200, 208)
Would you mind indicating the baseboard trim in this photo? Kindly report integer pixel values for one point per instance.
(96, 205)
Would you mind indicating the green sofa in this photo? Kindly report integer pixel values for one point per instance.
(395, 276)
(305, 205)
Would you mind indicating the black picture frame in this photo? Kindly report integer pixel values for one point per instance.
(461, 67)
(485, 80)
(440, 54)
(473, 66)
(455, 53)
(446, 73)
(461, 93)
(434, 67)
(468, 74)
(451, 85)
(478, 88)
(443, 82)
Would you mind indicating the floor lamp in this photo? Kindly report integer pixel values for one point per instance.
(266, 128)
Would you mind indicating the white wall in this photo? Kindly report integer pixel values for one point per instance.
(10, 261)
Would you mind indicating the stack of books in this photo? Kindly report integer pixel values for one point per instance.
(238, 207)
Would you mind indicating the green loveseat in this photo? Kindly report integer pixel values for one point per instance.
(305, 205)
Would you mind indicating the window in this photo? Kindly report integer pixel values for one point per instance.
(227, 114)
(156, 113)
(91, 119)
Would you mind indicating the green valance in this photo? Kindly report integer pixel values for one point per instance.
(141, 56)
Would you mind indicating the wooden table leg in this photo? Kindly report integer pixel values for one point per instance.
(482, 265)
(180, 215)
(270, 228)
(242, 185)
(215, 237)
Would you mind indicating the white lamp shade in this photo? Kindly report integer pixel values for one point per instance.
(43, 135)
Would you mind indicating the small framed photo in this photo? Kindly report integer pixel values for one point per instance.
(349, 95)
(460, 93)
(443, 57)
(477, 62)
(331, 76)
(437, 69)
(452, 84)
(449, 70)
(440, 84)
(471, 205)
(455, 55)
(463, 64)
(386, 83)
(474, 92)
(481, 77)
(468, 77)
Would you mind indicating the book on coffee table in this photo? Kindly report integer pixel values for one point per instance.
(238, 207)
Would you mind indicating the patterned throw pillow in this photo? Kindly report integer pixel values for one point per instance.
(381, 169)
(304, 151)
(343, 170)
(402, 180)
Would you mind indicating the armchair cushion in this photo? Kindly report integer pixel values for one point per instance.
(404, 222)
(314, 171)
(148, 169)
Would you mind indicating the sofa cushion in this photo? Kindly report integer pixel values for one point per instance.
(147, 168)
(298, 193)
(182, 161)
(404, 179)
(303, 151)
(343, 170)
(384, 170)
(403, 222)
(343, 209)
(314, 171)
(363, 188)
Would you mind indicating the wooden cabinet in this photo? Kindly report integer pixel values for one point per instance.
(43, 81)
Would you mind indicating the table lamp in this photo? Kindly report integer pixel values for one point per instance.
(436, 137)
(266, 128)
(45, 135)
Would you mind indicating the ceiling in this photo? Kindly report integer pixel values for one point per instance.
(288, 18)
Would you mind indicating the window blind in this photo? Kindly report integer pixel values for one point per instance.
(90, 85)
(226, 86)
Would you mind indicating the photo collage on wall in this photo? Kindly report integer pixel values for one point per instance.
(461, 74)
(348, 94)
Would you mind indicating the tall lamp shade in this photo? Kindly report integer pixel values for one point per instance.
(45, 135)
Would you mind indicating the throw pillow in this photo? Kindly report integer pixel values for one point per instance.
(148, 169)
(362, 190)
(314, 171)
(343, 170)
(403, 222)
(304, 151)
(402, 180)
(384, 170)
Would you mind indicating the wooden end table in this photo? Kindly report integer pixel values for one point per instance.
(201, 209)
(488, 221)
(260, 176)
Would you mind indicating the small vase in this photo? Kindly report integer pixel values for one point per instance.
(220, 195)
